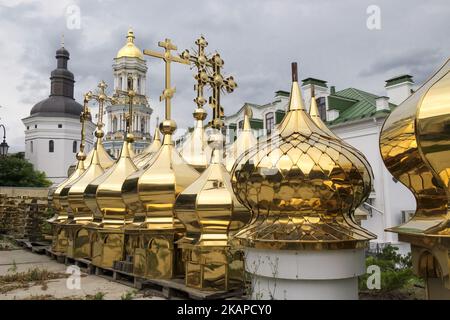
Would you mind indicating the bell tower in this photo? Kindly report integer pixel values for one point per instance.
(130, 72)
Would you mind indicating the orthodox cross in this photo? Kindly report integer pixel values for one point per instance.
(168, 58)
(101, 97)
(200, 61)
(218, 84)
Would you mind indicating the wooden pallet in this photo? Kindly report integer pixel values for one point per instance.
(33, 246)
(176, 288)
(169, 289)
(59, 257)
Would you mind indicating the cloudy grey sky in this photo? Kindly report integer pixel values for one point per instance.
(257, 39)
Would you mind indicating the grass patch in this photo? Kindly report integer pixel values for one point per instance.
(98, 296)
(27, 279)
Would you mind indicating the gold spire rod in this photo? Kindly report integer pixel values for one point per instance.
(84, 116)
(168, 59)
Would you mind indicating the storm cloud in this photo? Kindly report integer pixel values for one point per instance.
(257, 39)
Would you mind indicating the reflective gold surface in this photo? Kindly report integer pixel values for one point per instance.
(211, 213)
(60, 235)
(415, 147)
(104, 197)
(302, 187)
(195, 150)
(244, 141)
(141, 159)
(81, 214)
(150, 193)
(208, 208)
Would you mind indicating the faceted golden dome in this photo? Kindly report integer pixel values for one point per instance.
(129, 49)
(302, 186)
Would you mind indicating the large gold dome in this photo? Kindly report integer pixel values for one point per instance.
(302, 186)
(129, 49)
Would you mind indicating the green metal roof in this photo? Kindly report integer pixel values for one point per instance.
(364, 105)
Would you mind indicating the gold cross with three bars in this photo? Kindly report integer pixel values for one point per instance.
(168, 58)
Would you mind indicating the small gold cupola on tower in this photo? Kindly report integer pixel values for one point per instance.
(130, 50)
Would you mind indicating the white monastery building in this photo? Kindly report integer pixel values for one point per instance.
(53, 129)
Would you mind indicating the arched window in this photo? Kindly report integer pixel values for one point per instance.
(74, 147)
(51, 146)
(114, 124)
(31, 146)
(270, 122)
(139, 84)
(143, 124)
(130, 83)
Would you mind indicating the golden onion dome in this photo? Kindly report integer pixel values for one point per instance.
(414, 145)
(195, 150)
(59, 202)
(103, 195)
(208, 208)
(130, 50)
(100, 161)
(302, 187)
(245, 141)
(102, 157)
(150, 192)
(141, 159)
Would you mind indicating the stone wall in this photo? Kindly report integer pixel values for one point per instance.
(23, 212)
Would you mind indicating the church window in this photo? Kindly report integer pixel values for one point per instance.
(60, 126)
(31, 146)
(114, 124)
(270, 122)
(28, 127)
(241, 124)
(130, 83)
(142, 124)
(35, 126)
(74, 147)
(139, 84)
(120, 83)
(51, 146)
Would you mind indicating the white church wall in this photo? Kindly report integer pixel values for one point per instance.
(55, 164)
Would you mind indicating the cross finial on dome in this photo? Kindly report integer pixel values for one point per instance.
(62, 40)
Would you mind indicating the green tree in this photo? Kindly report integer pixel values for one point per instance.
(16, 171)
